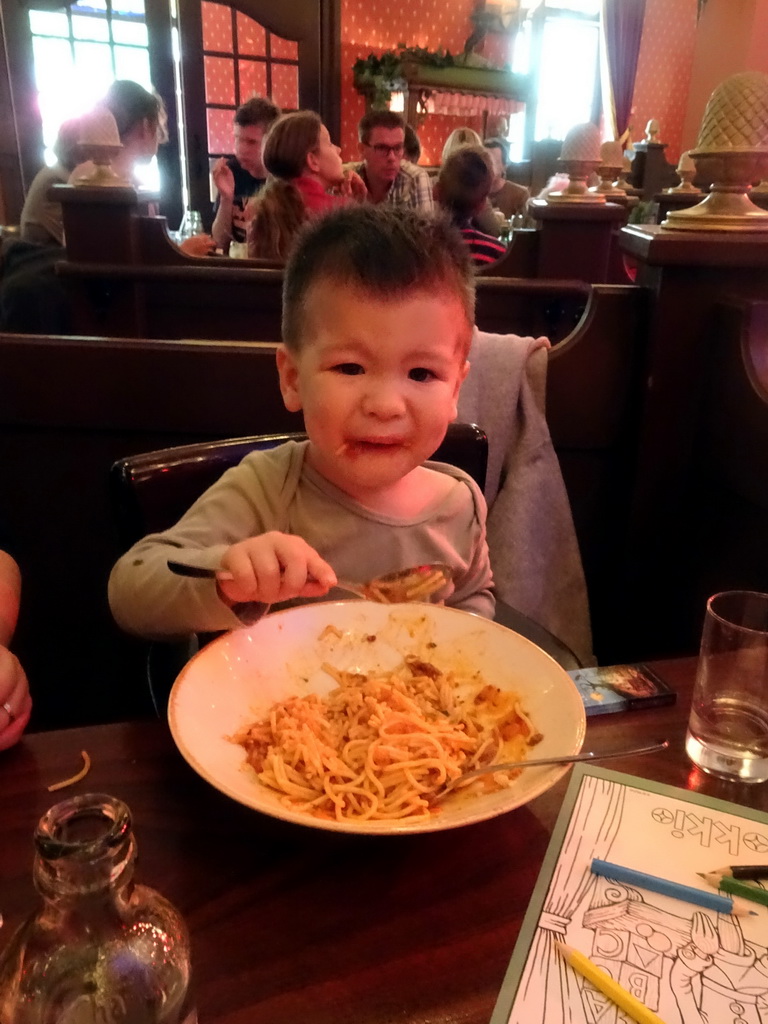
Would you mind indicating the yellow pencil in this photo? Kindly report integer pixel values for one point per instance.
(605, 983)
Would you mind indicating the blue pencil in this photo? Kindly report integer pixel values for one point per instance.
(710, 900)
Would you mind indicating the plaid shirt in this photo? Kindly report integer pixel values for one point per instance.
(412, 187)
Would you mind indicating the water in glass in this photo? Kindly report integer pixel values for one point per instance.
(728, 726)
(729, 738)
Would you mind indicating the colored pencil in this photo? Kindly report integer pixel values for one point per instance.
(737, 887)
(604, 982)
(710, 900)
(753, 871)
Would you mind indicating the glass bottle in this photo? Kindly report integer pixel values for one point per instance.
(191, 224)
(100, 950)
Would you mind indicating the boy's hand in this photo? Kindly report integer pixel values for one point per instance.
(274, 567)
(223, 179)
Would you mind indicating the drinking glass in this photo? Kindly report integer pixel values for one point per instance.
(728, 728)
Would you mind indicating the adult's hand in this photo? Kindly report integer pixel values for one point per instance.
(198, 245)
(15, 701)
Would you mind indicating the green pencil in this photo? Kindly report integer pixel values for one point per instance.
(735, 887)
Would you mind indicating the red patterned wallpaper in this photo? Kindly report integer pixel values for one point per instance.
(661, 86)
(664, 70)
(372, 26)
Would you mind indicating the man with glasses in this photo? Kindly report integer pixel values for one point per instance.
(387, 176)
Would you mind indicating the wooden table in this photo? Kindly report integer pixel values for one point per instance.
(292, 924)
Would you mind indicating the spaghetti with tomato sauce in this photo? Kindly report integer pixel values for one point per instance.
(383, 746)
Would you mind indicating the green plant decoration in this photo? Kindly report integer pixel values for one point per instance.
(380, 76)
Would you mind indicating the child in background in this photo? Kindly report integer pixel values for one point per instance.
(307, 178)
(237, 178)
(378, 312)
(462, 189)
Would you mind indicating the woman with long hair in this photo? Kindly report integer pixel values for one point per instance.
(141, 122)
(459, 137)
(306, 178)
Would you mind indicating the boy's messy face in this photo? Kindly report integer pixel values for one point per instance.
(377, 380)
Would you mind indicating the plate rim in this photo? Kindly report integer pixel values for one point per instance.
(388, 828)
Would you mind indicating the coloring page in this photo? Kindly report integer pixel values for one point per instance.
(688, 964)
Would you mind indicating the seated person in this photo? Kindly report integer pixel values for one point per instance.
(377, 320)
(412, 145)
(141, 124)
(307, 178)
(41, 219)
(33, 299)
(240, 177)
(462, 189)
(15, 701)
(459, 137)
(507, 196)
(484, 219)
(387, 176)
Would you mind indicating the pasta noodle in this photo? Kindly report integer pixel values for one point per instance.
(73, 778)
(381, 747)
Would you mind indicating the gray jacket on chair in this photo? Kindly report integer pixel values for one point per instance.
(533, 546)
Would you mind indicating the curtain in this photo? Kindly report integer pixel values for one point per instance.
(549, 990)
(622, 25)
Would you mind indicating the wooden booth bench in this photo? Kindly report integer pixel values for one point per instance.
(126, 278)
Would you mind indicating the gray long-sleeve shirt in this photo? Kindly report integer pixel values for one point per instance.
(277, 490)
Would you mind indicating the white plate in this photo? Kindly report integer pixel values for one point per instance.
(234, 680)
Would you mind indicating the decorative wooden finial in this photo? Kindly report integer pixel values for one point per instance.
(99, 142)
(579, 157)
(731, 152)
(686, 172)
(652, 131)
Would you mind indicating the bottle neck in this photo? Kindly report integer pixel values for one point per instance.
(85, 849)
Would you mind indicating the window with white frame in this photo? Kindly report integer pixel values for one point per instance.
(78, 52)
(558, 45)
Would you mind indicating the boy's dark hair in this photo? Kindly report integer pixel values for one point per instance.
(257, 110)
(464, 181)
(412, 145)
(380, 250)
(378, 119)
(501, 144)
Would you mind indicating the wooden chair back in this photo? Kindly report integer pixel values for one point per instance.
(152, 490)
(509, 305)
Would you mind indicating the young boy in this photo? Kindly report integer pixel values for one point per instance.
(239, 177)
(462, 188)
(378, 308)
